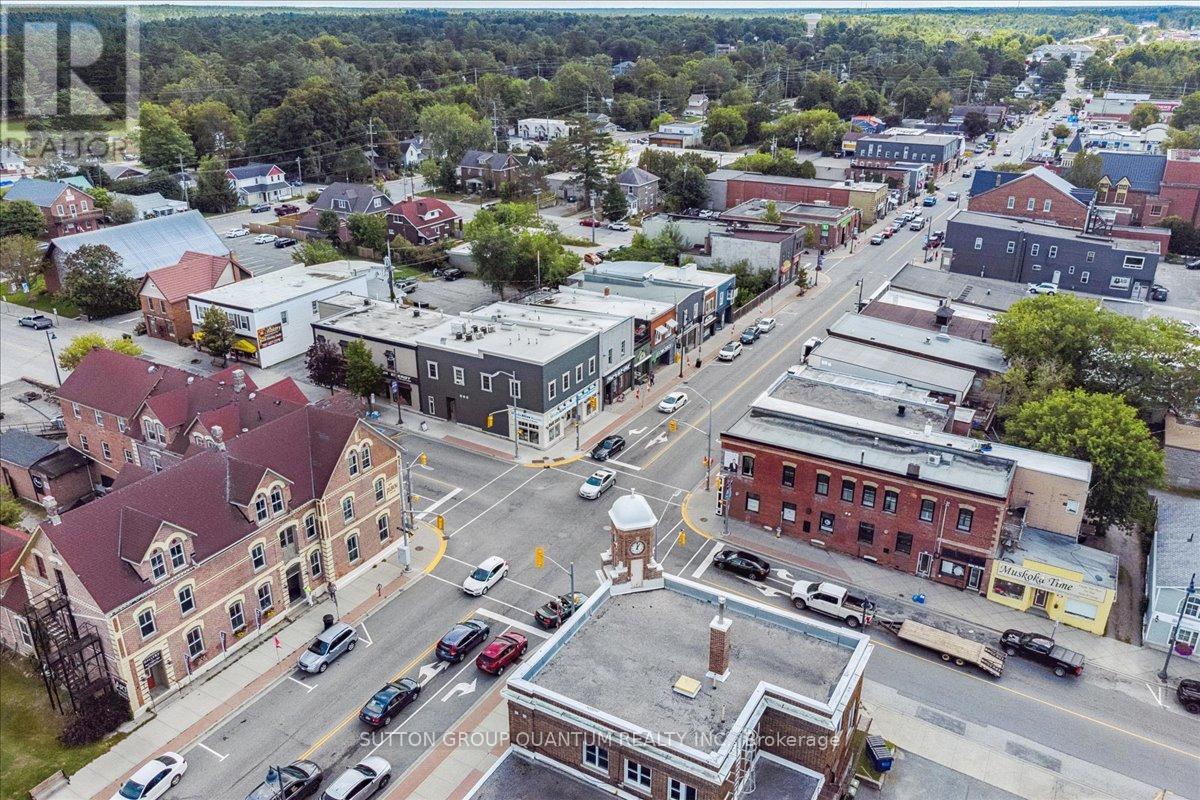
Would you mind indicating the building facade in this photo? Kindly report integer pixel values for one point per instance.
(1180, 185)
(163, 293)
(943, 152)
(483, 171)
(1037, 195)
(1173, 560)
(38, 470)
(67, 210)
(423, 220)
(258, 183)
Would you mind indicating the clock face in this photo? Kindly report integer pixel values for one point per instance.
(637, 547)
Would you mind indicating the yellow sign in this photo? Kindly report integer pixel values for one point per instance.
(1028, 576)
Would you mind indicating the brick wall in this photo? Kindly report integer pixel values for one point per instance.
(19, 481)
(739, 190)
(1181, 185)
(360, 489)
(1064, 210)
(170, 321)
(88, 434)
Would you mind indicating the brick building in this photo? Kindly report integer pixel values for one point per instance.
(35, 469)
(423, 220)
(183, 566)
(1180, 184)
(729, 187)
(481, 171)
(14, 628)
(163, 293)
(1038, 195)
(943, 152)
(67, 209)
(1133, 181)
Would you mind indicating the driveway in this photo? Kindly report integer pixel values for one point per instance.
(453, 297)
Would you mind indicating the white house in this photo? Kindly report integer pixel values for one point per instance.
(697, 106)
(542, 130)
(12, 166)
(273, 313)
(678, 134)
(258, 183)
(410, 152)
(147, 206)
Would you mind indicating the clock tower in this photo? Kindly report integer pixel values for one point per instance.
(630, 560)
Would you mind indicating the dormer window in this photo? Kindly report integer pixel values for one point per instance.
(260, 508)
(352, 462)
(158, 565)
(366, 455)
(276, 501)
(178, 557)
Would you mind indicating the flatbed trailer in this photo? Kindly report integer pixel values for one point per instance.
(949, 646)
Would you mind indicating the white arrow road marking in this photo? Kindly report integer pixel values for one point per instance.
(430, 671)
(460, 690)
(1156, 693)
(636, 431)
(214, 752)
(623, 464)
(306, 686)
(767, 591)
(785, 575)
(662, 437)
(707, 562)
(369, 641)
(483, 612)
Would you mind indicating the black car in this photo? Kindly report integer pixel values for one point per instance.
(388, 702)
(608, 447)
(1042, 649)
(462, 639)
(750, 335)
(284, 242)
(745, 564)
(1159, 293)
(452, 274)
(1188, 693)
(296, 781)
(559, 610)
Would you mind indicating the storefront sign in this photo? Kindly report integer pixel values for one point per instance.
(272, 334)
(1047, 582)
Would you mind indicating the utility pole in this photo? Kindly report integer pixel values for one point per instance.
(537, 203)
(538, 284)
(1191, 590)
(183, 179)
(495, 127)
(593, 220)
(371, 144)
(299, 170)
(773, 142)
(50, 337)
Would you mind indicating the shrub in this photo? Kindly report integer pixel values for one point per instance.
(96, 718)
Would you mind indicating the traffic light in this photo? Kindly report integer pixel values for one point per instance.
(422, 459)
(489, 420)
(539, 557)
(678, 357)
(440, 523)
(593, 403)
(683, 538)
(672, 426)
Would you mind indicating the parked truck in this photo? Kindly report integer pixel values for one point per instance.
(951, 647)
(832, 601)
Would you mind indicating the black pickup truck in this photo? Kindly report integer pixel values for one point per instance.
(1042, 649)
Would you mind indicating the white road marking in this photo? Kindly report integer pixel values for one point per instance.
(505, 578)
(481, 488)
(704, 565)
(636, 431)
(483, 612)
(430, 671)
(214, 752)
(767, 591)
(417, 710)
(1156, 693)
(785, 575)
(307, 687)
(436, 504)
(489, 509)
(369, 641)
(662, 437)
(460, 690)
(485, 597)
(633, 467)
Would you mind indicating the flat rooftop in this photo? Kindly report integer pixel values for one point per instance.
(691, 274)
(990, 293)
(379, 320)
(920, 371)
(530, 342)
(264, 291)
(612, 303)
(921, 312)
(1015, 224)
(861, 397)
(756, 208)
(542, 315)
(919, 342)
(1098, 567)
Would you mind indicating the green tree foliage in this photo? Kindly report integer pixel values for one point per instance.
(494, 251)
(1000, 87)
(329, 223)
(213, 193)
(315, 251)
(363, 376)
(102, 197)
(1061, 131)
(96, 281)
(450, 130)
(975, 124)
(1052, 70)
(1188, 112)
(213, 128)
(751, 281)
(725, 121)
(720, 143)
(614, 205)
(1012, 166)
(20, 259)
(217, 334)
(687, 189)
(541, 260)
(325, 365)
(1188, 139)
(665, 118)
(771, 212)
(70, 356)
(1102, 429)
(1143, 114)
(122, 211)
(816, 129)
(664, 248)
(21, 218)
(162, 141)
(11, 512)
(1185, 237)
(1086, 170)
(368, 230)
(782, 163)
(589, 153)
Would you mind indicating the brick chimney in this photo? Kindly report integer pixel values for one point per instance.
(718, 644)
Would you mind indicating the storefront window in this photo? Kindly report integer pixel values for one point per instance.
(554, 431)
(528, 432)
(1013, 591)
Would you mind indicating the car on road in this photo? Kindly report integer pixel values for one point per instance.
(237, 233)
(296, 184)
(505, 649)
(917, 224)
(1159, 293)
(462, 639)
(618, 226)
(966, 173)
(489, 572)
(330, 645)
(765, 325)
(1188, 693)
(265, 238)
(952, 196)
(750, 335)
(673, 402)
(360, 781)
(285, 241)
(1192, 263)
(831, 600)
(408, 285)
(154, 778)
(589, 222)
(608, 447)
(1043, 650)
(906, 217)
(259, 208)
(558, 610)
(389, 701)
(888, 232)
(452, 274)
(296, 781)
(1006, 153)
(1043, 288)
(286, 208)
(877, 239)
(742, 563)
(39, 322)
(929, 200)
(597, 484)
(730, 351)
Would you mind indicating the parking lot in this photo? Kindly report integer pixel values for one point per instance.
(453, 297)
(1183, 300)
(258, 258)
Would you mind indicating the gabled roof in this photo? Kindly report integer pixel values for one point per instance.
(40, 192)
(1144, 170)
(636, 176)
(255, 170)
(116, 383)
(195, 272)
(118, 172)
(150, 243)
(414, 211)
(24, 449)
(481, 158)
(986, 180)
(12, 542)
(358, 195)
(1176, 545)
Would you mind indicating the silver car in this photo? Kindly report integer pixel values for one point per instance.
(362, 780)
(329, 646)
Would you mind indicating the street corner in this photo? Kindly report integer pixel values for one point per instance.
(548, 462)
(703, 525)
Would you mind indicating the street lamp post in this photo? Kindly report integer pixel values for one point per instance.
(708, 458)
(1191, 590)
(50, 337)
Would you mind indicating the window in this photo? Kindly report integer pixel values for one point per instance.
(83, 443)
(314, 307)
(789, 475)
(260, 508)
(460, 376)
(1037, 267)
(1084, 276)
(23, 629)
(128, 456)
(592, 365)
(287, 537)
(75, 410)
(1009, 589)
(868, 496)
(903, 543)
(258, 557)
(195, 642)
(891, 500)
(145, 621)
(352, 462)
(596, 757)
(1046, 206)
(827, 522)
(822, 487)
(187, 601)
(566, 381)
(237, 617)
(677, 790)
(384, 527)
(1034, 249)
(579, 373)
(177, 555)
(365, 456)
(978, 242)
(866, 533)
(1134, 262)
(431, 370)
(314, 563)
(1052, 252)
(99, 418)
(747, 464)
(788, 514)
(158, 565)
(107, 452)
(1091, 256)
(848, 490)
(610, 355)
(965, 517)
(431, 404)
(1012, 202)
(379, 490)
(264, 597)
(752, 503)
(40, 564)
(1071, 270)
(514, 389)
(485, 382)
(352, 547)
(276, 500)
(347, 509)
(1012, 246)
(637, 774)
(310, 526)
(1191, 606)
(1030, 204)
(926, 514)
(552, 389)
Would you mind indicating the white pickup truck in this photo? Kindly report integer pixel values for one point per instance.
(831, 600)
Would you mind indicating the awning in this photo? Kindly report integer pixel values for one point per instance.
(243, 346)
(662, 330)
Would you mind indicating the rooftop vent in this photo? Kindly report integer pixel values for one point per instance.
(688, 687)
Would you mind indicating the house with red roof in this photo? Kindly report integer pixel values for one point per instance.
(423, 220)
(187, 565)
(164, 292)
(14, 629)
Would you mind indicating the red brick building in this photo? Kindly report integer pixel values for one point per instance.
(1181, 184)
(14, 629)
(183, 566)
(36, 469)
(1133, 181)
(422, 220)
(1038, 195)
(66, 209)
(163, 293)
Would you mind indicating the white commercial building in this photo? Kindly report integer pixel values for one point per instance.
(542, 130)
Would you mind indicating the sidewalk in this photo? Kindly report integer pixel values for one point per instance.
(967, 613)
(176, 725)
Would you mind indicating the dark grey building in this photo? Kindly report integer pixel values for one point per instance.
(635, 279)
(940, 151)
(993, 246)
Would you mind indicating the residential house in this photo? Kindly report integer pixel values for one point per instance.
(163, 293)
(603, 122)
(678, 134)
(343, 199)
(80, 182)
(621, 67)
(1181, 451)
(1174, 559)
(1180, 185)
(15, 633)
(423, 220)
(123, 172)
(1132, 181)
(257, 183)
(867, 123)
(1025, 89)
(173, 571)
(542, 130)
(12, 166)
(481, 171)
(641, 189)
(40, 471)
(410, 152)
(150, 205)
(67, 210)
(1038, 194)
(996, 114)
(697, 106)
(566, 185)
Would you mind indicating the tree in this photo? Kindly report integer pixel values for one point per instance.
(315, 251)
(213, 193)
(589, 154)
(1143, 114)
(368, 230)
(70, 356)
(1099, 428)
(329, 223)
(720, 143)
(451, 130)
(162, 141)
(665, 118)
(614, 205)
(999, 87)
(1188, 112)
(494, 251)
(1086, 170)
(1185, 237)
(940, 106)
(689, 189)
(1188, 139)
(363, 375)
(20, 259)
(217, 334)
(1061, 131)
(975, 124)
(771, 212)
(1052, 70)
(103, 197)
(728, 121)
(751, 281)
(11, 512)
(96, 281)
(122, 211)
(21, 218)
(325, 365)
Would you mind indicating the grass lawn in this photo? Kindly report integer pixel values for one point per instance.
(37, 297)
(443, 195)
(406, 272)
(29, 729)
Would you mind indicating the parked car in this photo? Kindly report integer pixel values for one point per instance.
(505, 649)
(917, 224)
(765, 325)
(1043, 288)
(742, 563)
(408, 285)
(597, 484)
(1007, 153)
(330, 645)
(929, 200)
(154, 778)
(285, 241)
(952, 196)
(589, 222)
(462, 639)
(673, 402)
(877, 239)
(388, 702)
(750, 335)
(888, 232)
(608, 447)
(730, 351)
(1188, 693)
(1192, 263)
(489, 572)
(259, 208)
(265, 238)
(39, 322)
(285, 209)
(1159, 293)
(296, 184)
(966, 173)
(832, 601)
(618, 226)
(1042, 649)
(559, 610)
(237, 233)
(362, 780)
(452, 274)
(296, 781)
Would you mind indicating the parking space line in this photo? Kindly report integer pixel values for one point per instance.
(506, 578)
(484, 597)
(513, 623)
(704, 565)
(214, 752)
(306, 686)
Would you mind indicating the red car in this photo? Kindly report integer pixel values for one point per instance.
(588, 222)
(504, 650)
(889, 232)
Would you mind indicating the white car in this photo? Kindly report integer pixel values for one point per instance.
(597, 484)
(618, 226)
(236, 233)
(485, 576)
(360, 781)
(154, 778)
(265, 238)
(730, 351)
(766, 324)
(1043, 288)
(673, 402)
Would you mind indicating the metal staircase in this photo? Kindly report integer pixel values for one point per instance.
(70, 652)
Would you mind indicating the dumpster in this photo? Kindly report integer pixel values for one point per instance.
(880, 753)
